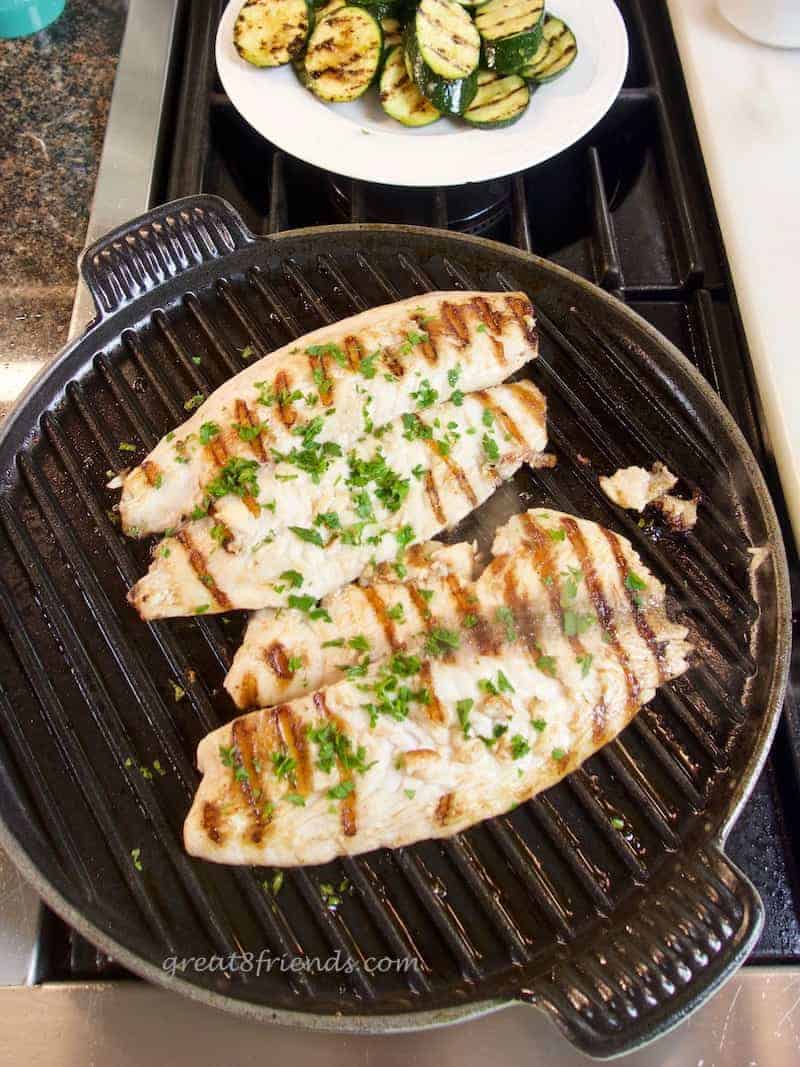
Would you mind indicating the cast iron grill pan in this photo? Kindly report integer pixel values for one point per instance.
(617, 933)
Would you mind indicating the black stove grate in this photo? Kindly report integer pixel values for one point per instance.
(628, 208)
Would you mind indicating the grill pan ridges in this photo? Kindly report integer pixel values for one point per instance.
(618, 935)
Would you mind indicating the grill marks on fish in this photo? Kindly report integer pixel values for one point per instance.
(348, 804)
(247, 772)
(604, 613)
(244, 417)
(278, 660)
(152, 472)
(200, 566)
(456, 779)
(283, 392)
(433, 498)
(319, 373)
(381, 613)
(639, 616)
(296, 746)
(275, 396)
(459, 475)
(502, 415)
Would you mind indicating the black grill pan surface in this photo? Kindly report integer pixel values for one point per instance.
(607, 901)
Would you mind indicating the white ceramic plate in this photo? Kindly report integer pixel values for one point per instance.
(360, 141)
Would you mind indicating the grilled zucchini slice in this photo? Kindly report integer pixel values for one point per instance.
(446, 38)
(555, 54)
(268, 33)
(444, 32)
(343, 55)
(392, 34)
(501, 100)
(511, 31)
(400, 97)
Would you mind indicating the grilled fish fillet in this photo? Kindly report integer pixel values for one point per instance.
(450, 340)
(570, 639)
(308, 536)
(285, 653)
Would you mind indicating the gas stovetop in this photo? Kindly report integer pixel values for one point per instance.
(627, 207)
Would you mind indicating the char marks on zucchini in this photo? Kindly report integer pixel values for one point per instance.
(268, 33)
(343, 55)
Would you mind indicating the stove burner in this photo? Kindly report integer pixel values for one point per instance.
(476, 209)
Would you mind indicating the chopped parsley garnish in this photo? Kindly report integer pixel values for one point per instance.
(617, 823)
(301, 603)
(415, 429)
(412, 338)
(503, 684)
(357, 670)
(498, 730)
(328, 349)
(194, 402)
(220, 533)
(426, 594)
(457, 398)
(313, 537)
(519, 746)
(329, 519)
(283, 765)
(397, 613)
(547, 665)
(366, 367)
(419, 471)
(490, 448)
(226, 756)
(294, 663)
(274, 885)
(390, 488)
(342, 790)
(238, 476)
(469, 621)
(322, 383)
(463, 708)
(576, 623)
(585, 663)
(426, 396)
(487, 418)
(247, 432)
(572, 580)
(410, 793)
(404, 665)
(126, 446)
(337, 642)
(405, 535)
(558, 754)
(439, 641)
(296, 799)
(247, 352)
(136, 856)
(333, 746)
(201, 609)
(481, 327)
(539, 725)
(359, 643)
(453, 375)
(293, 578)
(505, 616)
(208, 431)
(198, 512)
(557, 535)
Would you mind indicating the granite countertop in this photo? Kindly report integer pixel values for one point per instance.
(55, 88)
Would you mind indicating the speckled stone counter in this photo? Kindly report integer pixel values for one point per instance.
(55, 88)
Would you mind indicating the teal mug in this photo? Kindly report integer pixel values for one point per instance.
(21, 17)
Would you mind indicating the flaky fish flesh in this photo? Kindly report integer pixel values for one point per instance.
(442, 342)
(289, 535)
(285, 653)
(560, 642)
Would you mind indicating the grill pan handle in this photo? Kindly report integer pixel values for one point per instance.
(149, 251)
(662, 959)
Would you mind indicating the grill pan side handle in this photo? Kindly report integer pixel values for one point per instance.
(156, 247)
(656, 965)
